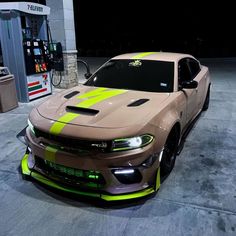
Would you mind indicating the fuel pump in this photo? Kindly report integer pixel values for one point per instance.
(25, 47)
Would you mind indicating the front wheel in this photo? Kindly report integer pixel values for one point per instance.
(169, 153)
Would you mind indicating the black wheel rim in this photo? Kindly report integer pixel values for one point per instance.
(168, 153)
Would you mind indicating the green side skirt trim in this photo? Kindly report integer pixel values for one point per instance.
(41, 178)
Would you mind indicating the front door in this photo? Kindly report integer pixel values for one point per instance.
(190, 94)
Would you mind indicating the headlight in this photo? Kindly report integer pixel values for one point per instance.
(31, 126)
(131, 143)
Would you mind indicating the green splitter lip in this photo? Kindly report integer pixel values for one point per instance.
(44, 180)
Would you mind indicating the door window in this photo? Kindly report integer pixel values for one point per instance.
(194, 67)
(183, 70)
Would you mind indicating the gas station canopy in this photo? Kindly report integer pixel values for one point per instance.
(27, 7)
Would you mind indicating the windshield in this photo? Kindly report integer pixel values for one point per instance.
(141, 75)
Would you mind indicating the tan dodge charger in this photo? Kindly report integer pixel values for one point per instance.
(117, 135)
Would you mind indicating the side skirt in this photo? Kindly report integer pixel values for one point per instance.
(186, 133)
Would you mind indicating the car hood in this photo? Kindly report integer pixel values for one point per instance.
(102, 107)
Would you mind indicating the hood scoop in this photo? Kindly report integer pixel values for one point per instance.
(70, 95)
(81, 110)
(138, 102)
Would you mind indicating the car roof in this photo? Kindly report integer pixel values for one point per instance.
(155, 56)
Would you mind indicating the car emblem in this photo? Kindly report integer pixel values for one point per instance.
(99, 145)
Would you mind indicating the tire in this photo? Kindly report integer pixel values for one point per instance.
(169, 153)
(207, 101)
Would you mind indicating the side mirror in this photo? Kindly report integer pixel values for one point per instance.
(191, 84)
(87, 75)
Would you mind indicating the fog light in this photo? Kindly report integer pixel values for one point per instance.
(128, 171)
(127, 176)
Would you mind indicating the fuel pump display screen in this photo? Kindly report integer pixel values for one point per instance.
(36, 56)
(37, 52)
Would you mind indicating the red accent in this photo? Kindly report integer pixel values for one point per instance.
(38, 91)
(44, 67)
(33, 83)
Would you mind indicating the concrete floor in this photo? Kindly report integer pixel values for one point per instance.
(198, 198)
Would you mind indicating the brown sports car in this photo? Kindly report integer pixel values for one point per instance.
(116, 135)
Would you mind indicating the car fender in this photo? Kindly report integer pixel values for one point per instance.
(164, 124)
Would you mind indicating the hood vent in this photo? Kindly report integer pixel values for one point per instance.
(70, 95)
(82, 111)
(138, 102)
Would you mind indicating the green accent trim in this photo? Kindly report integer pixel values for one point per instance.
(139, 194)
(24, 165)
(142, 55)
(92, 97)
(158, 180)
(50, 153)
(48, 182)
(35, 88)
(91, 176)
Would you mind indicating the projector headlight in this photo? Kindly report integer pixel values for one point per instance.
(131, 143)
(31, 126)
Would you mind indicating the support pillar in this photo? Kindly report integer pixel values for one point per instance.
(61, 22)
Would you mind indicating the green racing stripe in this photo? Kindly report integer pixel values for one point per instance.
(50, 153)
(89, 99)
(142, 55)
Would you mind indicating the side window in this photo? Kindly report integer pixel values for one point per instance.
(183, 70)
(194, 67)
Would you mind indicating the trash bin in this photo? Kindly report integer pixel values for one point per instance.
(8, 96)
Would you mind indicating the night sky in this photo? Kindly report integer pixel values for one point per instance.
(107, 28)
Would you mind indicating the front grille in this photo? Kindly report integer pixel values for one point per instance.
(102, 146)
(69, 175)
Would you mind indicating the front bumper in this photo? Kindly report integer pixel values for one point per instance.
(107, 197)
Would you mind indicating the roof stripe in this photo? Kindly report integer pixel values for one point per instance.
(142, 55)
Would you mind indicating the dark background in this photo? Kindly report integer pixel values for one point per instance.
(108, 28)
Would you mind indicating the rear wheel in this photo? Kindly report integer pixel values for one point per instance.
(169, 153)
(207, 101)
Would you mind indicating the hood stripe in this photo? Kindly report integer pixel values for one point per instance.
(50, 153)
(90, 98)
(142, 55)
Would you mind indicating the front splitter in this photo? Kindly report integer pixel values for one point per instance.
(44, 180)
